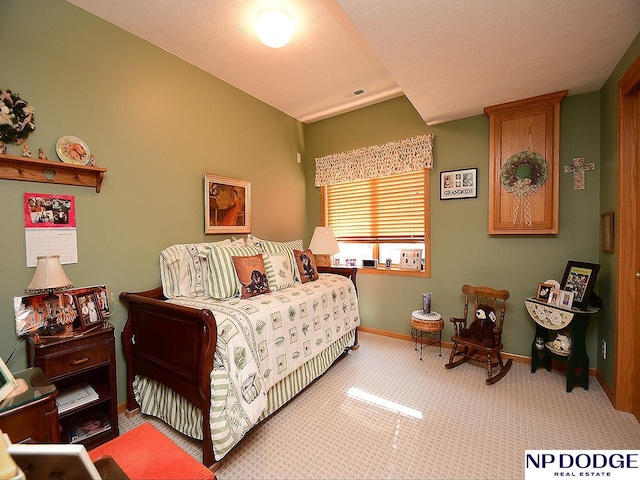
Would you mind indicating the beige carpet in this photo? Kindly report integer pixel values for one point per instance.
(382, 413)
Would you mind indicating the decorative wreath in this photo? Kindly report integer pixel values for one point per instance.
(16, 117)
(523, 167)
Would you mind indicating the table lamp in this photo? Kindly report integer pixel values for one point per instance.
(323, 245)
(49, 277)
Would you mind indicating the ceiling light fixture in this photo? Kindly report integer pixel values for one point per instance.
(274, 27)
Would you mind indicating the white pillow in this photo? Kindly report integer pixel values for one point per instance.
(268, 246)
(184, 271)
(278, 268)
(223, 281)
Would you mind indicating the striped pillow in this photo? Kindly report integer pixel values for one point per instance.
(223, 282)
(183, 270)
(278, 268)
(268, 246)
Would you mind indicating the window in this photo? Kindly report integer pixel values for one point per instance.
(377, 218)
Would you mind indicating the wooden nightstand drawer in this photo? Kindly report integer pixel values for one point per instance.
(75, 361)
(86, 360)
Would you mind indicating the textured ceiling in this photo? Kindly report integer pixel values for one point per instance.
(451, 58)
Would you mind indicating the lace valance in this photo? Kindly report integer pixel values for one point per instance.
(408, 155)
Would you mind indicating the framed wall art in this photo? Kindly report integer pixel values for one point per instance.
(459, 184)
(606, 229)
(579, 278)
(227, 205)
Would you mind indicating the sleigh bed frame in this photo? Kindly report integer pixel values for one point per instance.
(153, 342)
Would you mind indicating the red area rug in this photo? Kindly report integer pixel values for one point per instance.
(145, 453)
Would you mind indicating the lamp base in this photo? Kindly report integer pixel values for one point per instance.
(50, 329)
(323, 260)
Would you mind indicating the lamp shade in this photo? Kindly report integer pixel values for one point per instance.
(48, 276)
(323, 241)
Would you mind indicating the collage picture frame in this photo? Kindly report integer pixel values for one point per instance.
(76, 309)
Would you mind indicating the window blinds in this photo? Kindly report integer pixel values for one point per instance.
(385, 209)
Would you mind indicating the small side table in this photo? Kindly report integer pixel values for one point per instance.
(426, 326)
(550, 318)
(31, 415)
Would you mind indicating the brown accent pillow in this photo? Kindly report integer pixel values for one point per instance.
(306, 265)
(252, 275)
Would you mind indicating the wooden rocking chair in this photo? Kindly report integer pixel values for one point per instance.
(468, 348)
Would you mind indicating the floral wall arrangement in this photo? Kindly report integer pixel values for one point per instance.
(17, 119)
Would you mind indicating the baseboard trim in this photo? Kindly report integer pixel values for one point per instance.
(605, 387)
(515, 357)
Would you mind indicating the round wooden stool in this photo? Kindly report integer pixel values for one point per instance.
(426, 326)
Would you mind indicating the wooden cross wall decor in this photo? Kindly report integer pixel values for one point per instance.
(578, 168)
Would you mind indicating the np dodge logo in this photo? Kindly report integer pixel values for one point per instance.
(610, 464)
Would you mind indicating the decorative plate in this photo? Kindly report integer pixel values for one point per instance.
(523, 165)
(72, 150)
(555, 283)
(556, 351)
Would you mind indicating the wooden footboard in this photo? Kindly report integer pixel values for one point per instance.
(174, 345)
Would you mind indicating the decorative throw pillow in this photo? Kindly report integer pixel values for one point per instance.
(184, 271)
(306, 265)
(223, 282)
(252, 275)
(279, 272)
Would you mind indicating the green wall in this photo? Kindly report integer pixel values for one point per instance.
(157, 124)
(462, 250)
(608, 203)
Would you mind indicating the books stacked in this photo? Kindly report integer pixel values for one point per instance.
(75, 396)
(88, 425)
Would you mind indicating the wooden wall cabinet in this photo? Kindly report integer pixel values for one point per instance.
(531, 124)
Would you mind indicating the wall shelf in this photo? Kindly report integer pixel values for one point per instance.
(47, 171)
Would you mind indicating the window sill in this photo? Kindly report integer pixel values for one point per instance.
(392, 271)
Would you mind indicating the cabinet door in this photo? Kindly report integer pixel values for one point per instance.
(530, 125)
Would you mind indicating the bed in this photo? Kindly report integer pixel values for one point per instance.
(213, 368)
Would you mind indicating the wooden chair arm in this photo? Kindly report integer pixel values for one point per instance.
(458, 320)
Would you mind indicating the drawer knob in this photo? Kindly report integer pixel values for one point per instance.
(80, 361)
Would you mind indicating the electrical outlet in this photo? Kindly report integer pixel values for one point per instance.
(604, 349)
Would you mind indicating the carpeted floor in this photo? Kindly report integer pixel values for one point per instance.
(382, 413)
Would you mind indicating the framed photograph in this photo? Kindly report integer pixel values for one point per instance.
(411, 259)
(579, 278)
(544, 290)
(459, 184)
(7, 381)
(31, 312)
(227, 205)
(88, 310)
(554, 297)
(566, 299)
(606, 229)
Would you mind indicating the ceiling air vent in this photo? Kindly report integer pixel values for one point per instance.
(355, 93)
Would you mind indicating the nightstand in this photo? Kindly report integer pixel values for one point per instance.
(29, 413)
(84, 362)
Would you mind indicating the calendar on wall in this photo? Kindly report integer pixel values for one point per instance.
(50, 227)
